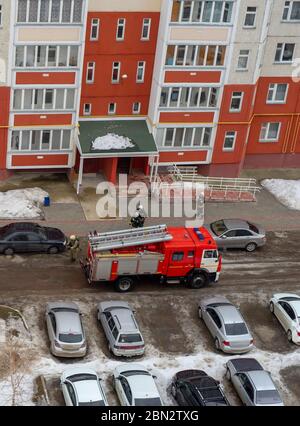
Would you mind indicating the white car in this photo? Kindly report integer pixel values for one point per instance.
(135, 386)
(286, 308)
(82, 387)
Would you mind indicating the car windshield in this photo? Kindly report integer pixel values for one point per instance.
(135, 373)
(143, 402)
(219, 227)
(236, 329)
(70, 338)
(130, 338)
(91, 404)
(268, 397)
(253, 228)
(4, 230)
(81, 377)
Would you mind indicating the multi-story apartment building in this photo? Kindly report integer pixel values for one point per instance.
(207, 83)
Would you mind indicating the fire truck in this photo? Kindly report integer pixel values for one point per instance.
(174, 255)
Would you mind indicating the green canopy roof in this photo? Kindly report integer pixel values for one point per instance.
(136, 130)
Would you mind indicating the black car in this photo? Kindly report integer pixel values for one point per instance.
(196, 388)
(30, 237)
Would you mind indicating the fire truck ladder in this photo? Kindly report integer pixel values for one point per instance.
(129, 238)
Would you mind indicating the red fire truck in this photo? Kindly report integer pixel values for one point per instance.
(175, 255)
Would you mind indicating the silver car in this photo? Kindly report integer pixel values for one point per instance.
(237, 233)
(65, 330)
(253, 384)
(121, 329)
(226, 325)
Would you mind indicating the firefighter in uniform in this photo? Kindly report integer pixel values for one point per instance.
(73, 246)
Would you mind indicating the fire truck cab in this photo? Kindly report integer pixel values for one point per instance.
(175, 255)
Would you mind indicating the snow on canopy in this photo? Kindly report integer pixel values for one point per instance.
(111, 141)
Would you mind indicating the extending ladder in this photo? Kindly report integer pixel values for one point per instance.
(128, 237)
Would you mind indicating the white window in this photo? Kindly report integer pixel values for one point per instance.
(40, 140)
(277, 93)
(95, 29)
(90, 75)
(188, 137)
(121, 29)
(87, 109)
(284, 52)
(189, 97)
(46, 56)
(116, 72)
(291, 11)
(0, 15)
(146, 29)
(229, 141)
(112, 107)
(236, 101)
(140, 74)
(202, 11)
(196, 55)
(269, 132)
(50, 11)
(136, 108)
(243, 60)
(44, 99)
(250, 17)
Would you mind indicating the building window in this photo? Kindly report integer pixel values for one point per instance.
(202, 11)
(121, 29)
(136, 107)
(229, 141)
(112, 107)
(40, 140)
(46, 56)
(44, 99)
(184, 137)
(236, 101)
(90, 75)
(87, 109)
(269, 132)
(277, 93)
(189, 97)
(95, 29)
(196, 56)
(146, 29)
(50, 11)
(284, 52)
(291, 11)
(140, 74)
(250, 17)
(116, 72)
(243, 60)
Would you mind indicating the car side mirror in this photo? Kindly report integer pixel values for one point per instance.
(224, 237)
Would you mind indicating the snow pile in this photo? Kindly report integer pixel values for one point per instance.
(286, 191)
(111, 141)
(22, 204)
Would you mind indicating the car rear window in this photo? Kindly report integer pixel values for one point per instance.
(253, 228)
(154, 402)
(130, 338)
(70, 338)
(236, 329)
(218, 227)
(268, 397)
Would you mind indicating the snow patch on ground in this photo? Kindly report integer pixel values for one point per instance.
(22, 203)
(112, 141)
(286, 191)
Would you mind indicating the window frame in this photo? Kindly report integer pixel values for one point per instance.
(192, 145)
(122, 26)
(90, 66)
(139, 108)
(148, 26)
(93, 26)
(226, 136)
(243, 55)
(84, 109)
(233, 97)
(115, 108)
(275, 90)
(282, 50)
(267, 125)
(50, 14)
(143, 68)
(289, 8)
(250, 13)
(205, 48)
(116, 66)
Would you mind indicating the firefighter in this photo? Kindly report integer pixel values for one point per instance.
(74, 246)
(138, 220)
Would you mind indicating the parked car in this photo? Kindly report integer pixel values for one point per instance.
(196, 388)
(226, 324)
(121, 329)
(65, 330)
(82, 387)
(286, 308)
(237, 233)
(30, 237)
(253, 384)
(135, 386)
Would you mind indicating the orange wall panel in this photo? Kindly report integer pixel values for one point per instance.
(44, 160)
(37, 120)
(229, 157)
(124, 104)
(186, 117)
(4, 119)
(192, 76)
(245, 114)
(169, 157)
(45, 78)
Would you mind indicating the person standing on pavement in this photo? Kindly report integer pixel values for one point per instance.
(73, 246)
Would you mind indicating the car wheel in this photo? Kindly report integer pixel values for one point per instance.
(217, 344)
(109, 348)
(200, 313)
(251, 247)
(53, 250)
(198, 281)
(8, 251)
(272, 307)
(124, 284)
(228, 374)
(173, 390)
(289, 336)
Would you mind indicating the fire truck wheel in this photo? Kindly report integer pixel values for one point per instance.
(251, 247)
(124, 284)
(198, 281)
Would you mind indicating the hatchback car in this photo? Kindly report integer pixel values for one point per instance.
(226, 324)
(253, 384)
(121, 329)
(196, 388)
(135, 386)
(286, 308)
(65, 330)
(82, 387)
(30, 237)
(237, 233)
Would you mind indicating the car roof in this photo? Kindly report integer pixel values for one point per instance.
(296, 305)
(236, 224)
(126, 321)
(261, 380)
(68, 322)
(229, 313)
(143, 386)
(22, 226)
(88, 390)
(246, 364)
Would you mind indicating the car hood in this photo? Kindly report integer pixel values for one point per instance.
(54, 234)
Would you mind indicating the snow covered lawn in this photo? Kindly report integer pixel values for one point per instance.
(112, 141)
(286, 191)
(22, 204)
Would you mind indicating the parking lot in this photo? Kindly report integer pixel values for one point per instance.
(175, 337)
